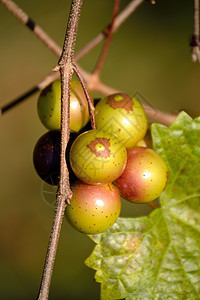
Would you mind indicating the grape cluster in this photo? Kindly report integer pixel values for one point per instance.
(105, 164)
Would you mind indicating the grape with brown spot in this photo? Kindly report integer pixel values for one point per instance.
(122, 115)
(97, 157)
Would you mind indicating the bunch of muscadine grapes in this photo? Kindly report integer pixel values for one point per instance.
(105, 164)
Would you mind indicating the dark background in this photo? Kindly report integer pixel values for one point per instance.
(149, 54)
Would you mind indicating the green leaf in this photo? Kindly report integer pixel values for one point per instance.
(158, 257)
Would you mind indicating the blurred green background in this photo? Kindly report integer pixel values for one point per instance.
(149, 54)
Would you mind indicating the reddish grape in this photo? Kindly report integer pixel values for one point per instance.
(145, 175)
(93, 208)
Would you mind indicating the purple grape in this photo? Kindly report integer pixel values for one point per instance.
(46, 157)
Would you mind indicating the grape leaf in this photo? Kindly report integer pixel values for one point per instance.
(158, 257)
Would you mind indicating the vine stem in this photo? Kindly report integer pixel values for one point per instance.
(64, 194)
(195, 37)
(196, 17)
(30, 23)
(40, 86)
(123, 16)
(22, 16)
(105, 50)
(93, 83)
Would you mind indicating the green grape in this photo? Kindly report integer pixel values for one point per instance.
(49, 106)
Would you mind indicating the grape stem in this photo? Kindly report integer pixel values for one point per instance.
(64, 194)
(90, 104)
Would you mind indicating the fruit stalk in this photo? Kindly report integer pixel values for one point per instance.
(65, 66)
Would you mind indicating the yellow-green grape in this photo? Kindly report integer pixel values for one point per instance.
(93, 208)
(49, 106)
(97, 157)
(122, 115)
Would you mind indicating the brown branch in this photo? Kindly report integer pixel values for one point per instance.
(104, 52)
(40, 86)
(25, 19)
(46, 39)
(19, 99)
(159, 116)
(64, 193)
(30, 23)
(93, 83)
(120, 19)
(195, 43)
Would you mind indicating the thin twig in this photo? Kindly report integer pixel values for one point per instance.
(120, 19)
(20, 99)
(65, 65)
(93, 83)
(90, 104)
(155, 115)
(40, 86)
(195, 43)
(98, 86)
(30, 23)
(104, 52)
